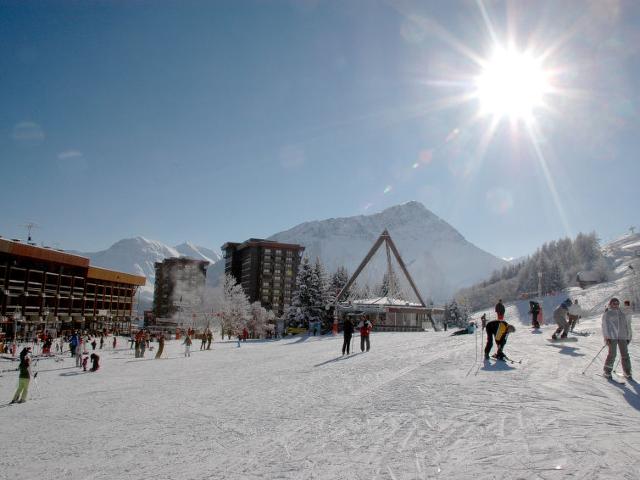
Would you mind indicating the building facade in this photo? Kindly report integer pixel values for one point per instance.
(47, 288)
(266, 270)
(180, 287)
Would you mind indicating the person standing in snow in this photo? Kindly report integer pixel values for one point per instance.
(560, 315)
(160, 345)
(79, 351)
(500, 330)
(347, 331)
(73, 343)
(575, 313)
(101, 341)
(209, 338)
(500, 310)
(114, 341)
(616, 331)
(24, 377)
(534, 310)
(187, 346)
(365, 330)
(203, 342)
(95, 362)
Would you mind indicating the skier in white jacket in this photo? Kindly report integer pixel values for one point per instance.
(575, 313)
(616, 331)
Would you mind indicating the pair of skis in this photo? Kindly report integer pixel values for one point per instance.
(506, 359)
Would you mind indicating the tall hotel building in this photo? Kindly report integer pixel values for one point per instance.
(266, 270)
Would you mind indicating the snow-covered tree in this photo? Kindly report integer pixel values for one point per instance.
(235, 310)
(338, 280)
(307, 302)
(259, 320)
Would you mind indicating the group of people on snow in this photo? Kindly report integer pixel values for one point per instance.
(364, 326)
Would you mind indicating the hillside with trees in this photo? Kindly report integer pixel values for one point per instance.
(559, 262)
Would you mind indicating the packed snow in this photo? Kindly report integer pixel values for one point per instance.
(417, 406)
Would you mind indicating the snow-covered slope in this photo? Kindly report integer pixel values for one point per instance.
(417, 406)
(190, 250)
(438, 257)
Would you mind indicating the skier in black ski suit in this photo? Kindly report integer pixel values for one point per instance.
(534, 310)
(347, 330)
(500, 330)
(500, 310)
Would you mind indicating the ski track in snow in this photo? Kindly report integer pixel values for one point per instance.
(417, 406)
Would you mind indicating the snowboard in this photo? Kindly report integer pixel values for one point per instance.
(562, 340)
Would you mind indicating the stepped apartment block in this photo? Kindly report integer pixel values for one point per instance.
(266, 270)
(179, 287)
(44, 288)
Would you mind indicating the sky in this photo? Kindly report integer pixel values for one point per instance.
(219, 121)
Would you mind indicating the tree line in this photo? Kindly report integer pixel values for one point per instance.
(559, 262)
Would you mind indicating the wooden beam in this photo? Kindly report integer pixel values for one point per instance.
(364, 262)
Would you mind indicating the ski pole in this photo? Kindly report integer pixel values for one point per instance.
(594, 359)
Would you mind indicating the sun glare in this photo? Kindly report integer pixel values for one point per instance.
(511, 84)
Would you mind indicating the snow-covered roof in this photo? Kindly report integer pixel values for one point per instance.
(385, 301)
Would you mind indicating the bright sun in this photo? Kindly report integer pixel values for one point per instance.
(511, 84)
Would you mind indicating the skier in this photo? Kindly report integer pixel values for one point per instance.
(471, 328)
(209, 338)
(187, 345)
(534, 310)
(500, 330)
(616, 330)
(245, 334)
(203, 342)
(73, 343)
(365, 330)
(114, 341)
(575, 313)
(560, 316)
(101, 341)
(24, 377)
(500, 310)
(95, 362)
(347, 331)
(160, 345)
(143, 344)
(85, 361)
(93, 344)
(79, 351)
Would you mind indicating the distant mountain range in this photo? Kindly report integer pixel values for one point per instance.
(438, 257)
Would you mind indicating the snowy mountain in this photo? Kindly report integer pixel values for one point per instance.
(138, 256)
(437, 256)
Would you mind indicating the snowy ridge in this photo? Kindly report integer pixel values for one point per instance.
(438, 257)
(139, 254)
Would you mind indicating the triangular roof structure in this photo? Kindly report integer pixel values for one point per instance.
(385, 238)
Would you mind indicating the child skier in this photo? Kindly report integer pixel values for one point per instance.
(187, 346)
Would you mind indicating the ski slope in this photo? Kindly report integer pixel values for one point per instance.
(417, 406)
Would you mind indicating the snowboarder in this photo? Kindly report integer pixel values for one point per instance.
(534, 310)
(616, 331)
(24, 377)
(365, 330)
(560, 317)
(575, 313)
(500, 330)
(347, 331)
(500, 310)
(95, 362)
(187, 345)
(471, 328)
(160, 345)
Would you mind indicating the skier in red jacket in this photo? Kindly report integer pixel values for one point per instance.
(365, 330)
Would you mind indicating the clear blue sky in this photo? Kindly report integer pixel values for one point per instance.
(217, 121)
